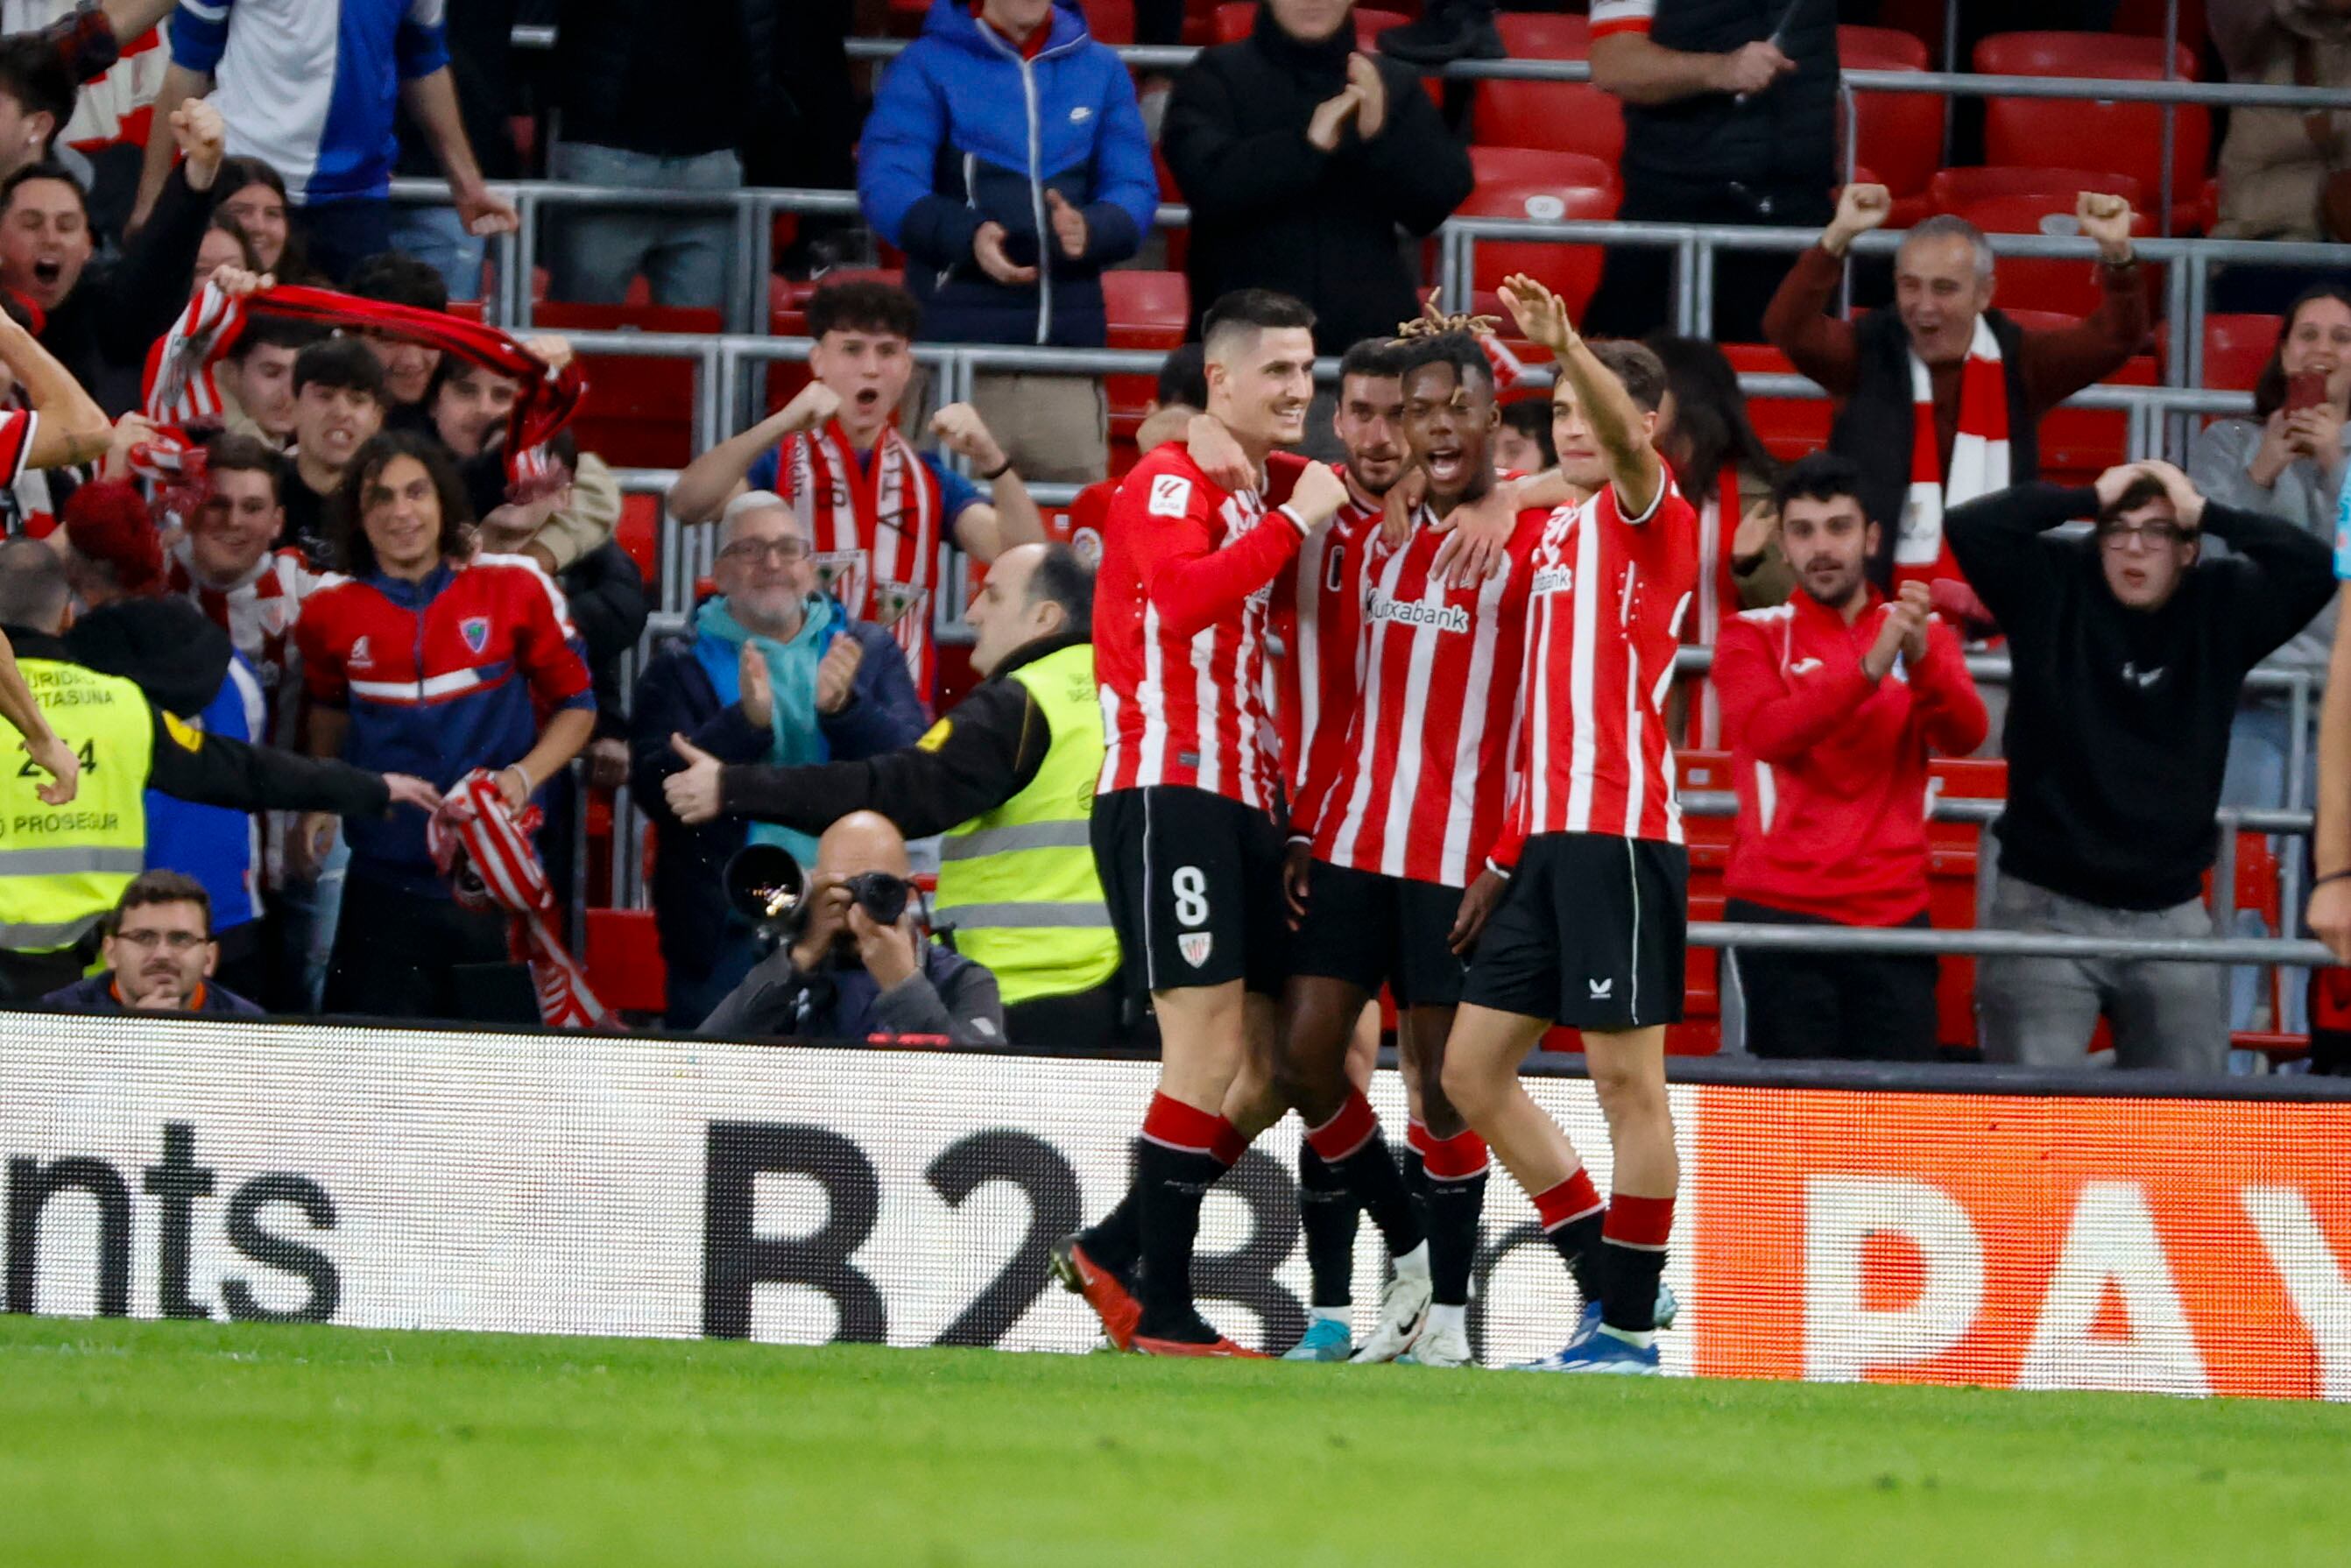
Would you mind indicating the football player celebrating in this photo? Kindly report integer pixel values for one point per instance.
(1185, 826)
(1591, 927)
(1388, 837)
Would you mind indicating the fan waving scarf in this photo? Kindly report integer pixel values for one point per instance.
(482, 845)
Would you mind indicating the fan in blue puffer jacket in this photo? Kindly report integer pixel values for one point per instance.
(978, 143)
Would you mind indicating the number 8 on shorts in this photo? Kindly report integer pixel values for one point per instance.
(1194, 883)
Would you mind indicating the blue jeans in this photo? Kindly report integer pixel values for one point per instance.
(685, 256)
(437, 237)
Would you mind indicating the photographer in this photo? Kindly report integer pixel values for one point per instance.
(848, 973)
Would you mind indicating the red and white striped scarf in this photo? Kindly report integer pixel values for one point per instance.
(183, 392)
(1979, 458)
(876, 531)
(257, 611)
(484, 846)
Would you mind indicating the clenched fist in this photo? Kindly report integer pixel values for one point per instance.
(1861, 209)
(1317, 494)
(2107, 220)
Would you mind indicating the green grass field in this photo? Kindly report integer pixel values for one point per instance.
(145, 1443)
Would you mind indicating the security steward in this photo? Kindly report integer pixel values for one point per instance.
(63, 868)
(1008, 778)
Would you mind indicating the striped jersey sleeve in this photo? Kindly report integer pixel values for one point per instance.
(1609, 16)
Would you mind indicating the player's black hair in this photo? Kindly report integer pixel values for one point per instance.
(262, 331)
(1459, 350)
(1531, 417)
(1816, 476)
(354, 556)
(1382, 359)
(340, 364)
(1184, 377)
(1063, 577)
(396, 279)
(33, 72)
(862, 305)
(1252, 310)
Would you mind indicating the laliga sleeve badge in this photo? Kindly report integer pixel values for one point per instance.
(1171, 496)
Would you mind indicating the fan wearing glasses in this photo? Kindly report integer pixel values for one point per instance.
(775, 672)
(2129, 647)
(160, 955)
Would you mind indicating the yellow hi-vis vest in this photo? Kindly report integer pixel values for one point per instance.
(1018, 883)
(62, 868)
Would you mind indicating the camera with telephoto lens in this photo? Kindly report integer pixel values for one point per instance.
(766, 886)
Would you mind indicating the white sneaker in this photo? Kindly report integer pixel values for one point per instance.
(1404, 1307)
(1446, 1346)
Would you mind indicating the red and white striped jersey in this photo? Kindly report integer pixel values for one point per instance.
(257, 612)
(877, 527)
(1607, 596)
(1418, 785)
(1181, 602)
(1317, 622)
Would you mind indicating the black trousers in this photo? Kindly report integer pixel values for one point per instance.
(1079, 1024)
(27, 978)
(399, 956)
(1635, 295)
(1848, 1006)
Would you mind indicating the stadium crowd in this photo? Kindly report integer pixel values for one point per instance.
(331, 645)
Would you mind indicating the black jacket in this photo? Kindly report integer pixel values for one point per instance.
(952, 999)
(651, 76)
(1782, 137)
(172, 650)
(2119, 719)
(982, 753)
(102, 330)
(215, 770)
(96, 995)
(606, 593)
(1270, 211)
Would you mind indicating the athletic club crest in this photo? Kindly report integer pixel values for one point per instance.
(1194, 945)
(475, 631)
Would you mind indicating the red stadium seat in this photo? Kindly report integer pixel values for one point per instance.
(1899, 134)
(1146, 310)
(1564, 117)
(1111, 21)
(639, 413)
(639, 533)
(2069, 287)
(2127, 138)
(2237, 348)
(2145, 18)
(1957, 190)
(1788, 426)
(624, 961)
(1567, 185)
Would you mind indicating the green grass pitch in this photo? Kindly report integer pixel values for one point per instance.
(195, 1444)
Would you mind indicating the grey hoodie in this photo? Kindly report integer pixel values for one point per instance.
(2305, 495)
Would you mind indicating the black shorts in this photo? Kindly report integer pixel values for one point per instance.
(1194, 884)
(1371, 931)
(1591, 934)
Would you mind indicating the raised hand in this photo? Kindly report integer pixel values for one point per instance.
(1370, 95)
(759, 694)
(1318, 493)
(836, 674)
(961, 431)
(1541, 315)
(1217, 454)
(815, 407)
(55, 758)
(1859, 210)
(2107, 219)
(200, 135)
(1330, 118)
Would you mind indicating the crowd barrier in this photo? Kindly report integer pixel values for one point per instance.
(2097, 1231)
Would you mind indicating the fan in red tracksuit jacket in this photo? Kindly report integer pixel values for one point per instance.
(461, 670)
(1831, 771)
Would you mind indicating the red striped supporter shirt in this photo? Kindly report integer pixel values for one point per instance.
(1418, 784)
(1317, 619)
(1182, 604)
(1607, 596)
